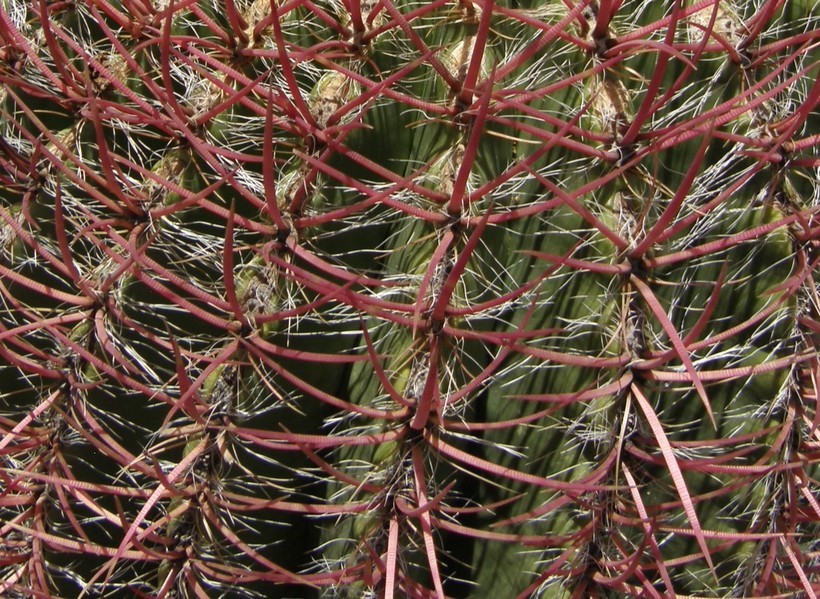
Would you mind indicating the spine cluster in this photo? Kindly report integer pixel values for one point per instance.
(408, 299)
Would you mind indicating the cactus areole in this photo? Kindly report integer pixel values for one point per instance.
(409, 299)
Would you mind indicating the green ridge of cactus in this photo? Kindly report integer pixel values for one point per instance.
(355, 298)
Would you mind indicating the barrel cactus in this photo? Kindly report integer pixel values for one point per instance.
(399, 298)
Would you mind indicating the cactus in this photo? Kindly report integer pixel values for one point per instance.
(409, 299)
